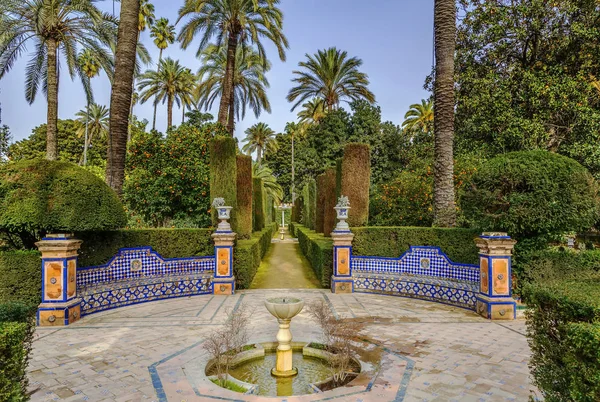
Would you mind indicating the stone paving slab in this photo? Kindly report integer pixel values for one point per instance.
(150, 352)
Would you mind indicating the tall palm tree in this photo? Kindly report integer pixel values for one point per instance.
(234, 23)
(312, 111)
(51, 29)
(186, 97)
(443, 93)
(122, 88)
(249, 81)
(419, 117)
(259, 138)
(145, 16)
(94, 124)
(164, 35)
(171, 83)
(332, 76)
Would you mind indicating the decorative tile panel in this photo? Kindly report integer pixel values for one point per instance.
(418, 261)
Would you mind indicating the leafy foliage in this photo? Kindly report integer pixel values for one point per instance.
(259, 138)
(21, 280)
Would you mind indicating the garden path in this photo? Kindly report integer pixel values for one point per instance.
(284, 267)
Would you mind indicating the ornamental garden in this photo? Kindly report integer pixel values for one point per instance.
(448, 256)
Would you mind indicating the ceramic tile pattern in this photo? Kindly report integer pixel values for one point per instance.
(153, 351)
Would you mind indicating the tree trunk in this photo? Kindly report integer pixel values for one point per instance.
(231, 118)
(445, 43)
(169, 111)
(258, 154)
(228, 84)
(182, 113)
(85, 141)
(52, 118)
(155, 100)
(122, 88)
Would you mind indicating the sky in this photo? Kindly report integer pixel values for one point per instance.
(392, 37)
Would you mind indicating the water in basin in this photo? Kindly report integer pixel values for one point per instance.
(258, 372)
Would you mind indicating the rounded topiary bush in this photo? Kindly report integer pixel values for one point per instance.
(532, 195)
(39, 196)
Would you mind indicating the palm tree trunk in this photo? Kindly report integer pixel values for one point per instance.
(169, 111)
(228, 84)
(85, 141)
(182, 113)
(52, 118)
(258, 154)
(445, 44)
(122, 88)
(231, 118)
(155, 103)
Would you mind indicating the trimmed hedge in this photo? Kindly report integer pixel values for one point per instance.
(457, 243)
(312, 203)
(223, 174)
(249, 253)
(99, 247)
(320, 211)
(563, 328)
(318, 249)
(258, 207)
(329, 214)
(244, 196)
(557, 264)
(21, 277)
(356, 181)
(40, 196)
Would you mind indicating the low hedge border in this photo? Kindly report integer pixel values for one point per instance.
(318, 249)
(99, 247)
(21, 277)
(249, 253)
(457, 243)
(563, 329)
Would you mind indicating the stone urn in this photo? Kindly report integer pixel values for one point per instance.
(224, 214)
(342, 215)
(284, 309)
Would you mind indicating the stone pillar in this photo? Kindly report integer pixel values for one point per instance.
(341, 281)
(494, 300)
(60, 305)
(223, 281)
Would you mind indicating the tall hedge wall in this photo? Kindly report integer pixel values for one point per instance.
(298, 210)
(305, 206)
(317, 249)
(21, 273)
(99, 247)
(223, 174)
(338, 178)
(457, 243)
(320, 212)
(249, 253)
(356, 181)
(329, 215)
(258, 208)
(312, 203)
(244, 196)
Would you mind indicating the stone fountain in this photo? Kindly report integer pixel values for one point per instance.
(284, 309)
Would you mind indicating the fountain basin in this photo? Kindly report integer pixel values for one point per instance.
(284, 308)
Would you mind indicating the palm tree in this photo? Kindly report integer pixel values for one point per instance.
(249, 82)
(312, 112)
(164, 35)
(272, 188)
(419, 117)
(172, 82)
(443, 93)
(94, 124)
(259, 138)
(52, 28)
(331, 76)
(186, 97)
(234, 23)
(145, 16)
(122, 88)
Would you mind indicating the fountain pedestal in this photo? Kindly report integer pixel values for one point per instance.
(284, 309)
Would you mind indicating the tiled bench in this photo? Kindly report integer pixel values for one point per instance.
(455, 292)
(111, 295)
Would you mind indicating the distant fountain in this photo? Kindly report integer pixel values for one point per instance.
(284, 309)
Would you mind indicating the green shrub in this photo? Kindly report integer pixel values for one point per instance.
(17, 312)
(40, 196)
(457, 243)
(320, 210)
(556, 264)
(305, 206)
(312, 203)
(15, 345)
(99, 247)
(329, 214)
(564, 336)
(535, 196)
(258, 207)
(244, 196)
(223, 174)
(356, 181)
(21, 277)
(318, 250)
(249, 253)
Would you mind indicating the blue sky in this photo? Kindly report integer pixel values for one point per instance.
(392, 37)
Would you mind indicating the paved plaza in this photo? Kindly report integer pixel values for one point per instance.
(419, 351)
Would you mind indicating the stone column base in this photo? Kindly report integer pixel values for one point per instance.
(224, 286)
(342, 284)
(504, 308)
(59, 314)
